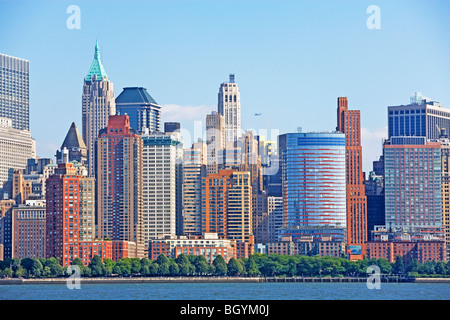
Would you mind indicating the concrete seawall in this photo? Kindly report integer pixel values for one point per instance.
(111, 280)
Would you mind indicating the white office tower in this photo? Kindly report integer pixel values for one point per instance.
(194, 169)
(16, 147)
(229, 105)
(162, 164)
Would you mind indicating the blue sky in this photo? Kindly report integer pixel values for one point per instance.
(292, 59)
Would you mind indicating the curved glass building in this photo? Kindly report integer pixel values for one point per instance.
(313, 185)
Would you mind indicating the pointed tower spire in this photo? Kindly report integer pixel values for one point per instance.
(97, 50)
(96, 69)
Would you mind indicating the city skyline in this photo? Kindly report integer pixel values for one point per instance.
(182, 68)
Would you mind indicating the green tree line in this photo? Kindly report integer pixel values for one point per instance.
(263, 265)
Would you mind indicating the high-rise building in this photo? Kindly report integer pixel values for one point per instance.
(15, 91)
(214, 202)
(413, 187)
(119, 183)
(274, 217)
(73, 148)
(260, 218)
(374, 186)
(240, 210)
(349, 122)
(251, 159)
(16, 147)
(98, 104)
(194, 169)
(445, 167)
(24, 232)
(313, 185)
(162, 158)
(70, 217)
(143, 110)
(170, 127)
(215, 140)
(227, 207)
(422, 117)
(229, 105)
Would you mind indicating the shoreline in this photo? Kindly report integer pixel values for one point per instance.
(21, 281)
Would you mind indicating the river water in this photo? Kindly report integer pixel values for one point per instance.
(228, 291)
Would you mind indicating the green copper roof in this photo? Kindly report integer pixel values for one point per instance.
(96, 66)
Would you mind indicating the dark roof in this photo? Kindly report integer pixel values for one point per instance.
(135, 95)
(73, 138)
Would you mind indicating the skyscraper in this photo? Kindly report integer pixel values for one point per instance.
(70, 217)
(162, 156)
(15, 91)
(143, 110)
(313, 185)
(229, 105)
(422, 117)
(98, 104)
(445, 167)
(119, 183)
(215, 140)
(16, 147)
(413, 190)
(349, 122)
(240, 210)
(374, 186)
(194, 169)
(227, 207)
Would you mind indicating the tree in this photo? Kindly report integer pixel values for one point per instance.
(117, 269)
(234, 267)
(97, 267)
(398, 267)
(270, 268)
(440, 268)
(145, 262)
(413, 265)
(184, 264)
(304, 266)
(108, 266)
(20, 271)
(124, 266)
(201, 265)
(27, 264)
(36, 268)
(163, 269)
(135, 265)
(174, 270)
(7, 272)
(162, 258)
(384, 265)
(154, 269)
(252, 267)
(163, 265)
(220, 266)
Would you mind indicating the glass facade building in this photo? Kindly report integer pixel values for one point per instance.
(313, 184)
(141, 108)
(413, 191)
(15, 91)
(422, 117)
